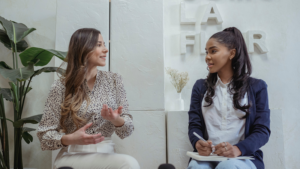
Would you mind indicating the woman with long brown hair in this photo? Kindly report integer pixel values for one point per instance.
(85, 107)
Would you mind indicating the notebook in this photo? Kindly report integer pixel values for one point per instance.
(196, 156)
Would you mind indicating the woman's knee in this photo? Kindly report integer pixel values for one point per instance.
(193, 164)
(228, 164)
(200, 164)
(236, 164)
(130, 163)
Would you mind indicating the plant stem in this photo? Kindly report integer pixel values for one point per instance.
(21, 110)
(13, 60)
(16, 152)
(17, 131)
(20, 162)
(17, 66)
(4, 134)
(16, 56)
(20, 97)
(2, 163)
(2, 160)
(13, 54)
(17, 155)
(15, 139)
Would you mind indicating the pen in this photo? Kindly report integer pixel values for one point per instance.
(212, 146)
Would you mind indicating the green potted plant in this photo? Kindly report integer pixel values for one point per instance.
(12, 36)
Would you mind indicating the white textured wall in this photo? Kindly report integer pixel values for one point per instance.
(136, 36)
(136, 42)
(279, 67)
(42, 16)
(274, 154)
(76, 14)
(178, 140)
(137, 51)
(147, 144)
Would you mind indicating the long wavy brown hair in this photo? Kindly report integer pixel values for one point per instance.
(82, 44)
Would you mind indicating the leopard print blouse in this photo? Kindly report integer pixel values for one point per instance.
(108, 89)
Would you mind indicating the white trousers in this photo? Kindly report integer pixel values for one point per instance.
(94, 160)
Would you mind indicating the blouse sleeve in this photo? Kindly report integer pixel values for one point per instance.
(125, 130)
(48, 130)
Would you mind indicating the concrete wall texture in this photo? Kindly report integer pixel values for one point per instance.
(145, 38)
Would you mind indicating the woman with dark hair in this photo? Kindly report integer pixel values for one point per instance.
(229, 108)
(85, 107)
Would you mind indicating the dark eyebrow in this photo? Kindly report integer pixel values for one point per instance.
(100, 41)
(211, 47)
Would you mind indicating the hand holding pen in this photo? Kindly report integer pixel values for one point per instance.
(204, 148)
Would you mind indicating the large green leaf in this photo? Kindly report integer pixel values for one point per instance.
(4, 65)
(21, 31)
(7, 119)
(27, 137)
(7, 25)
(27, 129)
(15, 31)
(15, 75)
(39, 56)
(6, 93)
(5, 39)
(33, 120)
(26, 90)
(21, 46)
(2, 164)
(49, 69)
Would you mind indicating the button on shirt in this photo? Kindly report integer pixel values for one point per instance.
(222, 120)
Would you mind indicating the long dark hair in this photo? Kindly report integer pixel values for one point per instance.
(232, 38)
(82, 44)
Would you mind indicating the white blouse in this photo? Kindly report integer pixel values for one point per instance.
(108, 89)
(222, 120)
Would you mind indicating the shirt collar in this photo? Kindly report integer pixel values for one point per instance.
(219, 81)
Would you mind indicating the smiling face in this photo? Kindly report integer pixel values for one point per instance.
(218, 56)
(98, 56)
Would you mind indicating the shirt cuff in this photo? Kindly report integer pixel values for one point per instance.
(126, 129)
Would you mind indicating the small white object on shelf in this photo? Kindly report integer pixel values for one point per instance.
(178, 80)
(178, 103)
